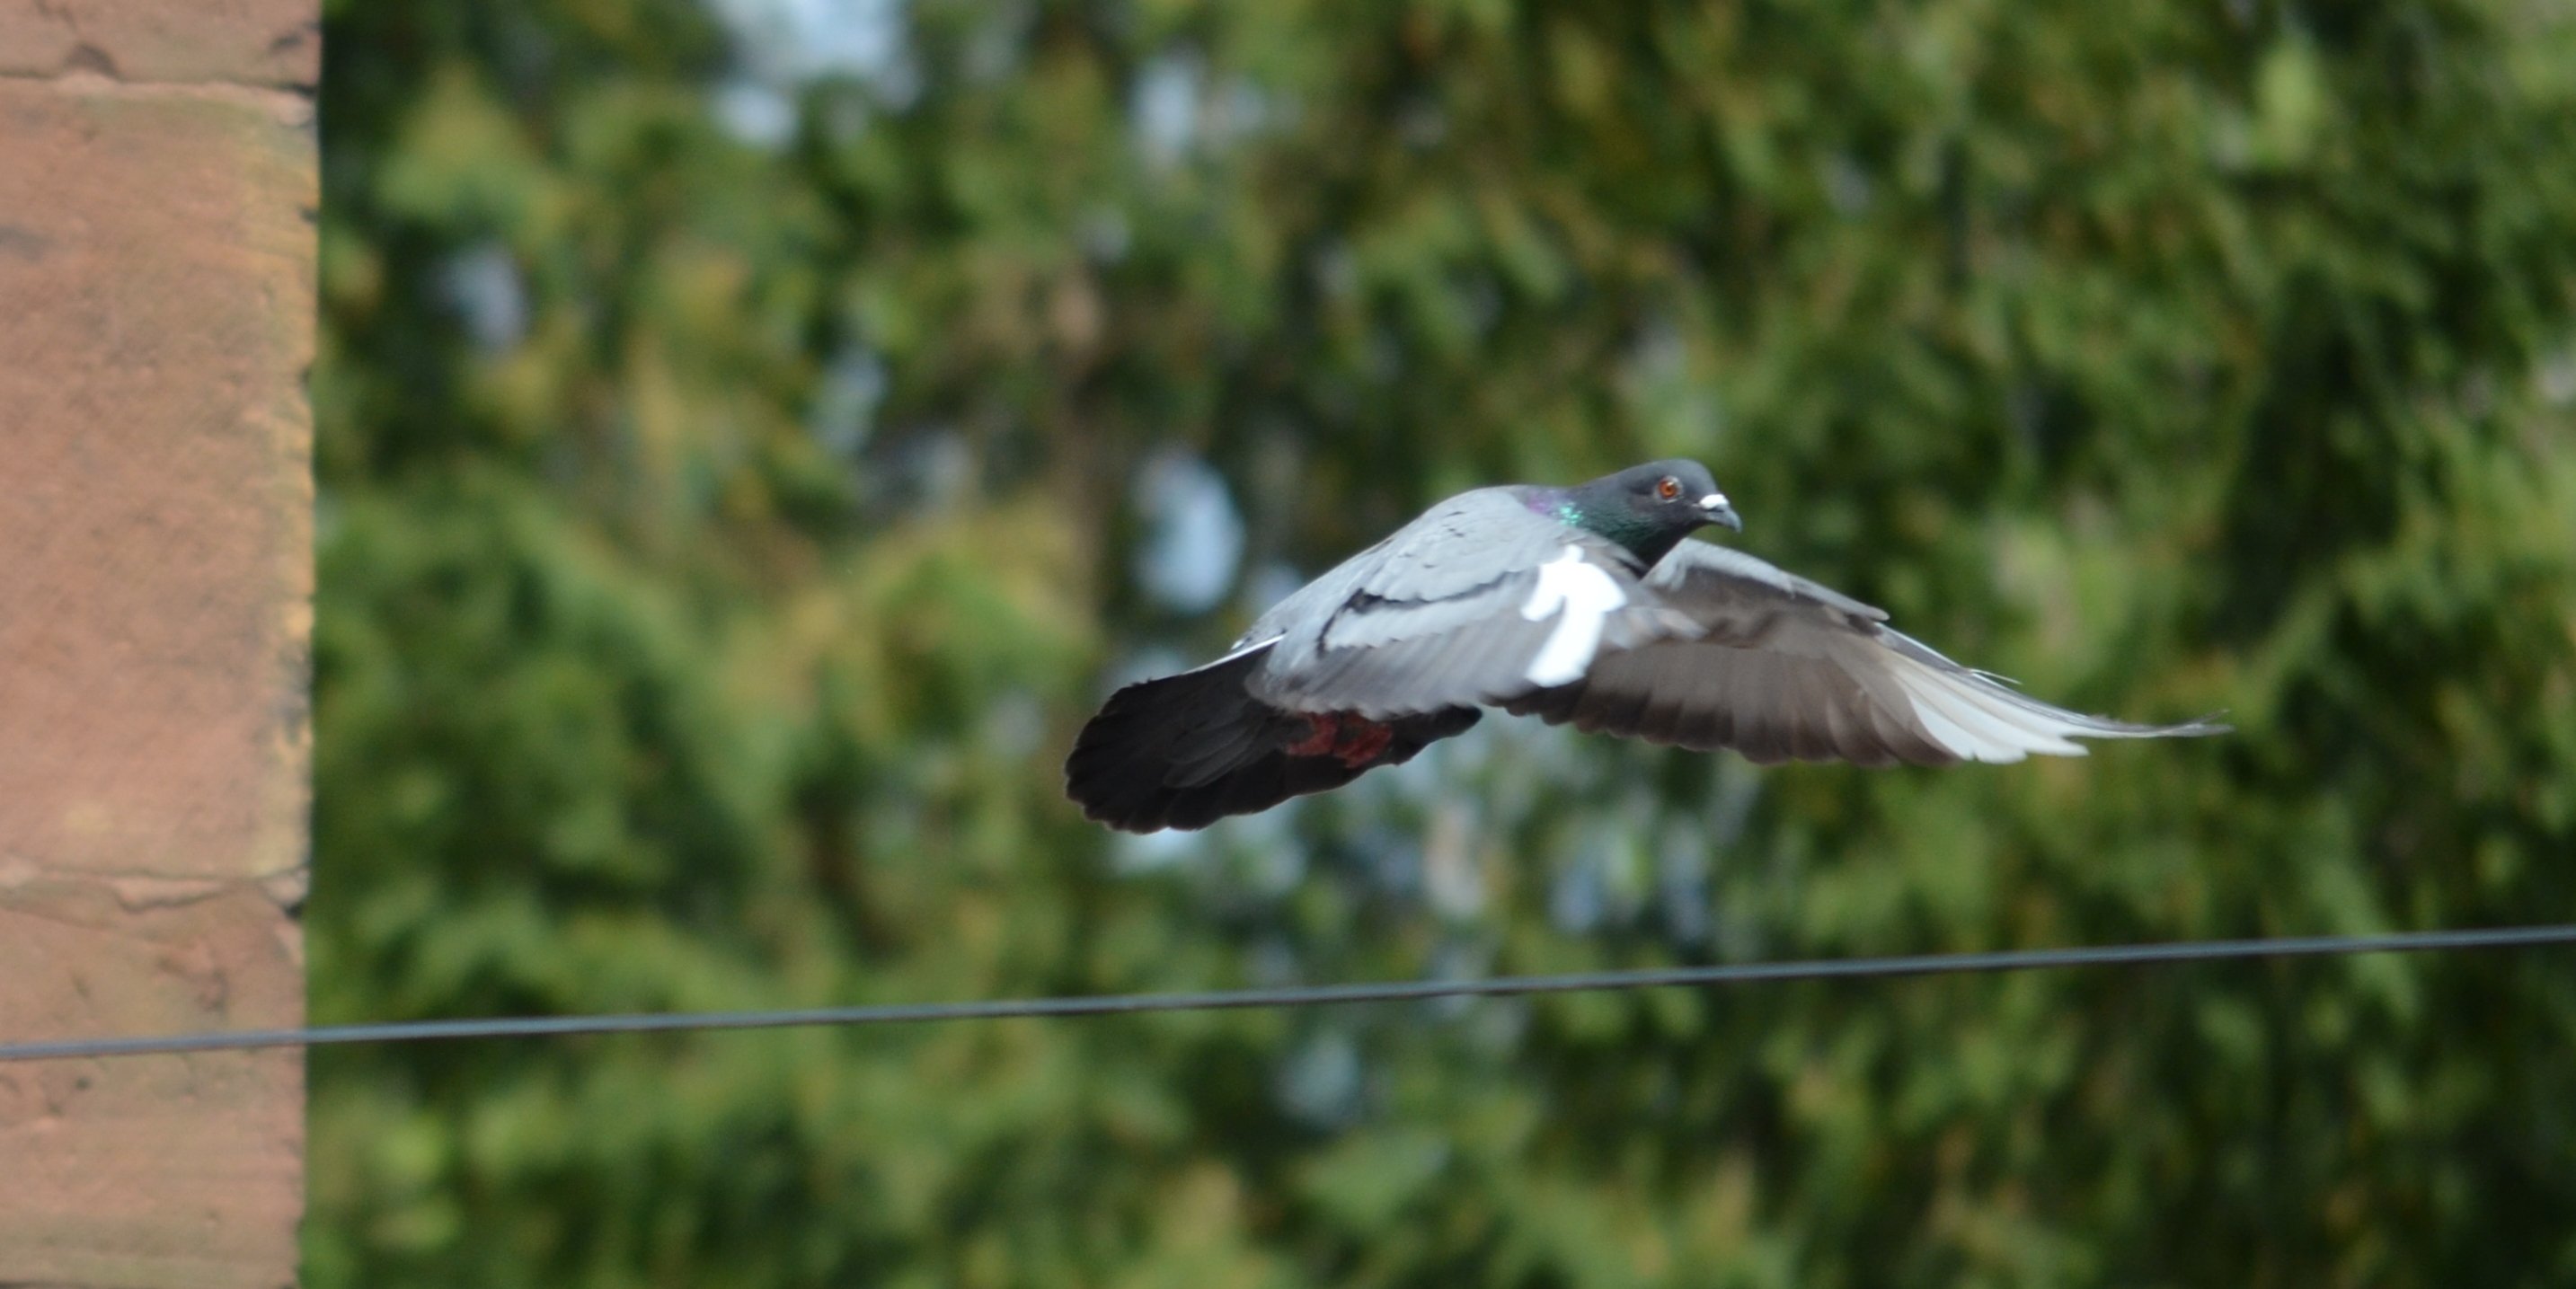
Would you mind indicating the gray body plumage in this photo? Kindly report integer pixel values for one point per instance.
(1492, 599)
(1431, 617)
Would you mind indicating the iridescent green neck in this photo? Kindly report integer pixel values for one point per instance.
(1639, 535)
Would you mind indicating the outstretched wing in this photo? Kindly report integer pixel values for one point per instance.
(1478, 601)
(1781, 667)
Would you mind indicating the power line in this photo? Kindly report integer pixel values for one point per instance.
(1942, 964)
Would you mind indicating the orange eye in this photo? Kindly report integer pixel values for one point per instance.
(1668, 487)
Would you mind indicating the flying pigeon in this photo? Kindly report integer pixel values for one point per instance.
(1590, 605)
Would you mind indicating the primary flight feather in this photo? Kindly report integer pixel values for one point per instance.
(1589, 605)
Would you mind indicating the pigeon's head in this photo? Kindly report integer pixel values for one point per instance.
(1649, 508)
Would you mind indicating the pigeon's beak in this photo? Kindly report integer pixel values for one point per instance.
(1715, 509)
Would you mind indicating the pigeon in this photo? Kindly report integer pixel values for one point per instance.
(1590, 605)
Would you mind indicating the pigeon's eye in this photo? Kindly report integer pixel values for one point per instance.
(1668, 487)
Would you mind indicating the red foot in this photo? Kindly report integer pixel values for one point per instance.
(1321, 731)
(1362, 741)
(1357, 740)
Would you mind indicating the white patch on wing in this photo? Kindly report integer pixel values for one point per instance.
(1582, 594)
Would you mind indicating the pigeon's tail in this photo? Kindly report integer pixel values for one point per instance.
(1187, 750)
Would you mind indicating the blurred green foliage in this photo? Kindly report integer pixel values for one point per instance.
(729, 509)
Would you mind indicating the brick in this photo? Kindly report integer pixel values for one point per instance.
(159, 1170)
(242, 42)
(154, 602)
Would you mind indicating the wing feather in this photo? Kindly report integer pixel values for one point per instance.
(1779, 667)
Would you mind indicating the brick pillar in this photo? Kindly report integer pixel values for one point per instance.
(156, 316)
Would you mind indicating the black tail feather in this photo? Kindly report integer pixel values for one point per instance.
(1187, 750)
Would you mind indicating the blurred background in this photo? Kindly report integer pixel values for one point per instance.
(755, 433)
